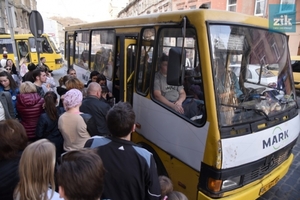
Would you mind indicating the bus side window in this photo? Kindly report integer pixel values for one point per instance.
(46, 46)
(145, 61)
(23, 49)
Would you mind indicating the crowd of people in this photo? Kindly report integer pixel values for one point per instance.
(70, 142)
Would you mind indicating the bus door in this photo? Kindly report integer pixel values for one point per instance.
(69, 49)
(23, 50)
(129, 59)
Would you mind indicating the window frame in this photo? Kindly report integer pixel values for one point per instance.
(286, 11)
(231, 5)
(159, 50)
(140, 56)
(256, 5)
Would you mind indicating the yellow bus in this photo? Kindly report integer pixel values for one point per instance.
(240, 144)
(26, 47)
(296, 70)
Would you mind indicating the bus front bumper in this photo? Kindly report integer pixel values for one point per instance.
(257, 188)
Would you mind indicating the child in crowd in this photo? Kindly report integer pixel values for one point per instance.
(166, 186)
(36, 172)
(175, 195)
(105, 97)
(81, 175)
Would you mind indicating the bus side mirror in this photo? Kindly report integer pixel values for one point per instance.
(174, 72)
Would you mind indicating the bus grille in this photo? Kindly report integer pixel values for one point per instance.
(271, 163)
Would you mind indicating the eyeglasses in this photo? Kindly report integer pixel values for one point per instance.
(65, 153)
(8, 68)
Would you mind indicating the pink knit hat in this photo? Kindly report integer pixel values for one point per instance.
(72, 98)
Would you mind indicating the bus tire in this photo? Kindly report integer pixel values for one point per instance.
(161, 170)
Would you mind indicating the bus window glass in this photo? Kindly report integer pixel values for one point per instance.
(53, 44)
(23, 50)
(187, 99)
(82, 49)
(32, 44)
(145, 61)
(102, 52)
(252, 78)
(46, 47)
(6, 45)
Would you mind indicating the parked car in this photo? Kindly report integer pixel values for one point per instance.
(296, 70)
(253, 72)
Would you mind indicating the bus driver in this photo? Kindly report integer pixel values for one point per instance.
(173, 96)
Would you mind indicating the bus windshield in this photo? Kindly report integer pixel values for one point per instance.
(252, 73)
(53, 44)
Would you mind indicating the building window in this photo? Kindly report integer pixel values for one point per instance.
(231, 5)
(287, 6)
(21, 22)
(259, 7)
(17, 21)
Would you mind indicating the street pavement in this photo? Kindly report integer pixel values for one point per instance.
(288, 188)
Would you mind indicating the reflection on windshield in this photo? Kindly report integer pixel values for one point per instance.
(54, 45)
(252, 73)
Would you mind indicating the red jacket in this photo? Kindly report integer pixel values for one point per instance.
(30, 108)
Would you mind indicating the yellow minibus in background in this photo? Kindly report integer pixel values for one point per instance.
(296, 70)
(26, 47)
(240, 143)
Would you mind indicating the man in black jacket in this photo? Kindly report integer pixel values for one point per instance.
(98, 109)
(131, 172)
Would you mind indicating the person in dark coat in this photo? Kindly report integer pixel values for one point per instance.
(98, 109)
(29, 107)
(29, 75)
(13, 140)
(47, 126)
(61, 89)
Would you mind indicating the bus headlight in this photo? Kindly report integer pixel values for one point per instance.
(231, 182)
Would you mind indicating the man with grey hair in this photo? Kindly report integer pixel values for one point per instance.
(92, 105)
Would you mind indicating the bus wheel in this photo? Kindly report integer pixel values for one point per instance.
(161, 170)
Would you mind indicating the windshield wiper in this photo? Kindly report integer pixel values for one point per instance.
(248, 108)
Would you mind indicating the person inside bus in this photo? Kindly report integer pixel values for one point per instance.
(173, 96)
(227, 81)
(228, 91)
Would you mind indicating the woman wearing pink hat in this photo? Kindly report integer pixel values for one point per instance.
(71, 124)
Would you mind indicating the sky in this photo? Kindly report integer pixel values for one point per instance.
(86, 10)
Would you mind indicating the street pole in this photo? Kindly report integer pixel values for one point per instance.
(12, 33)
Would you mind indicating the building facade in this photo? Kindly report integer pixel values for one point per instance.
(251, 7)
(20, 11)
(56, 30)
